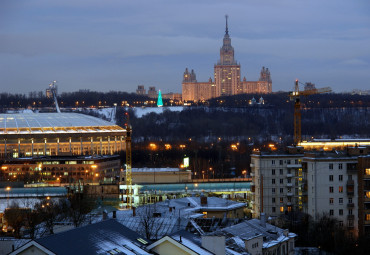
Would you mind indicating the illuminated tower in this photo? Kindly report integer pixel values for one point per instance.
(227, 70)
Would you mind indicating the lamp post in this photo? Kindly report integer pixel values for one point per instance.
(7, 200)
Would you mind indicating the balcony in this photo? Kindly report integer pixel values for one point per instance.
(289, 184)
(350, 217)
(252, 174)
(350, 205)
(294, 166)
(289, 194)
(367, 222)
(289, 175)
(251, 165)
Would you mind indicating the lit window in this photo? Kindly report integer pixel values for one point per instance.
(340, 189)
(281, 209)
(367, 171)
(331, 189)
(367, 216)
(367, 194)
(331, 200)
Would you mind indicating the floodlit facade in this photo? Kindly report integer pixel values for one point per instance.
(278, 183)
(227, 79)
(52, 134)
(337, 144)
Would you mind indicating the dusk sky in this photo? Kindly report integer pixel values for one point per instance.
(117, 44)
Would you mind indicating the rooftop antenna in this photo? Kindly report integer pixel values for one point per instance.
(53, 89)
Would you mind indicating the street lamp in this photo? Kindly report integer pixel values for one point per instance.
(7, 201)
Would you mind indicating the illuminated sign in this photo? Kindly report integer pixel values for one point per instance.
(186, 162)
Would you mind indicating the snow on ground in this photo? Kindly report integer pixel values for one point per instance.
(140, 112)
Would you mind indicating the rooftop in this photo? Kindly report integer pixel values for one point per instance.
(98, 238)
(37, 123)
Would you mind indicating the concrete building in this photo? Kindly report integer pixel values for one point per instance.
(332, 186)
(158, 175)
(336, 183)
(277, 182)
(227, 78)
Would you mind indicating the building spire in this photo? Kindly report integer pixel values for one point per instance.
(227, 29)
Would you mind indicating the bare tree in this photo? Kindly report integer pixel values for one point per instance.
(150, 221)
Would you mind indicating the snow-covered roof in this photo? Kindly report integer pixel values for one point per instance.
(49, 123)
(250, 229)
(99, 238)
(151, 170)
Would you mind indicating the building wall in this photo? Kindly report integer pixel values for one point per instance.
(159, 177)
(32, 250)
(234, 214)
(61, 171)
(278, 184)
(364, 195)
(254, 246)
(14, 146)
(167, 248)
(332, 189)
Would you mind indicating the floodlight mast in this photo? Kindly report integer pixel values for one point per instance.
(128, 163)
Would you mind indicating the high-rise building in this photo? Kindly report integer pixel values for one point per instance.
(277, 182)
(227, 79)
(335, 183)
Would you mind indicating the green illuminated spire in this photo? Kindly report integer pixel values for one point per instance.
(159, 102)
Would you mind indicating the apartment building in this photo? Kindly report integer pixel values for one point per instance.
(332, 182)
(277, 182)
(336, 183)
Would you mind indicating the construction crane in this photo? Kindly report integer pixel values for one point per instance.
(295, 95)
(128, 163)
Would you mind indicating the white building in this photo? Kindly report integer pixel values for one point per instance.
(333, 186)
(277, 182)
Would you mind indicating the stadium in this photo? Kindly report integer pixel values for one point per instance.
(52, 134)
(59, 147)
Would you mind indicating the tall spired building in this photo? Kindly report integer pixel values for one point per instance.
(227, 80)
(227, 70)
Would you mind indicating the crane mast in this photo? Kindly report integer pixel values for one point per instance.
(128, 163)
(295, 95)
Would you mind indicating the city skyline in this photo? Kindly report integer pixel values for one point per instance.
(121, 44)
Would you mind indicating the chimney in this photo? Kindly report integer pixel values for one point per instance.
(133, 211)
(203, 200)
(114, 215)
(170, 209)
(263, 220)
(105, 215)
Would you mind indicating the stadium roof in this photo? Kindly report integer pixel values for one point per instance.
(40, 123)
